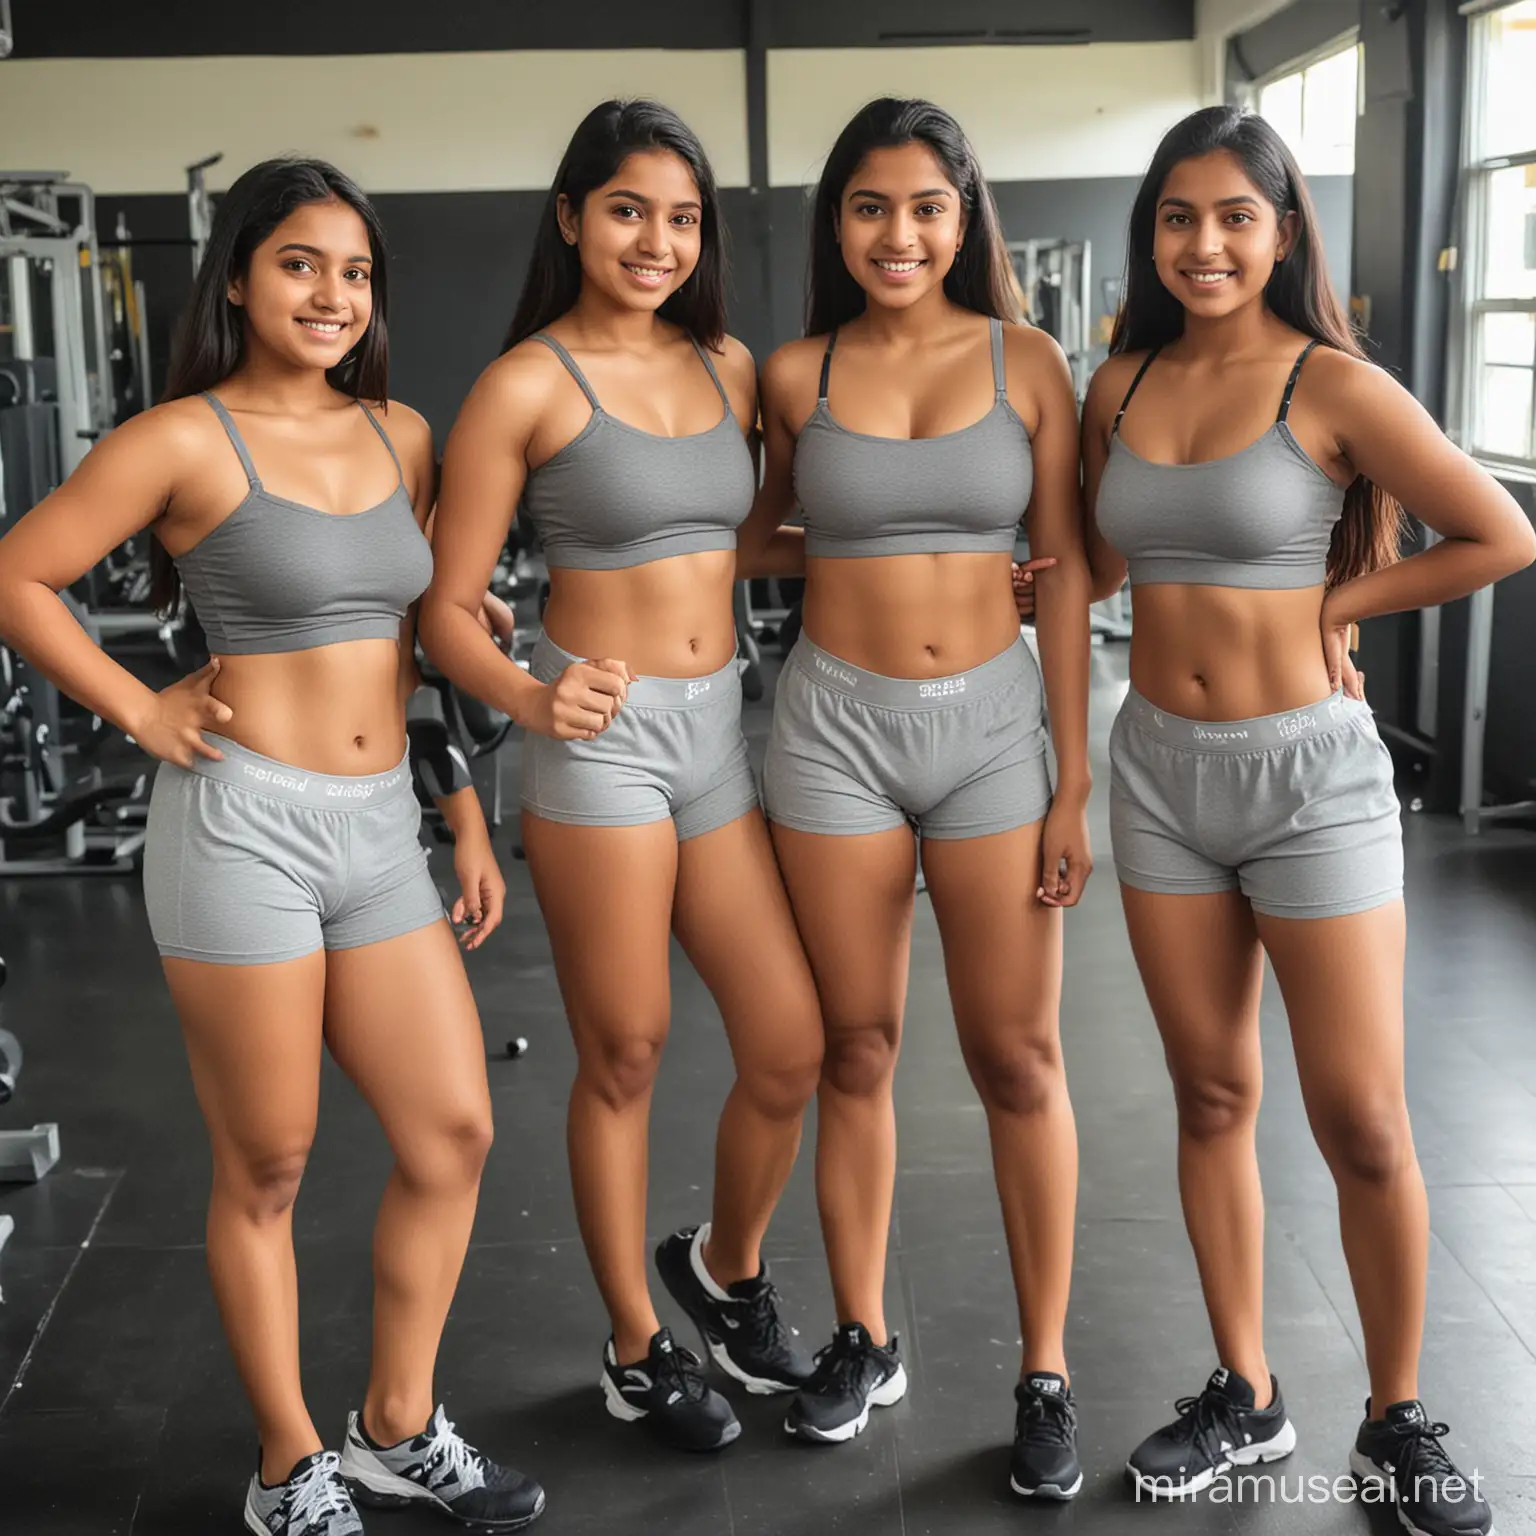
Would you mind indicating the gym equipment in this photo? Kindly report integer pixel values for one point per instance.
(25, 1156)
(1474, 814)
(199, 208)
(1054, 280)
(51, 823)
(49, 253)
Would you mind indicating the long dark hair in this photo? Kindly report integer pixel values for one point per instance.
(1299, 292)
(982, 276)
(605, 138)
(210, 338)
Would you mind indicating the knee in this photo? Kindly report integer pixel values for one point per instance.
(780, 1089)
(622, 1071)
(450, 1156)
(1016, 1077)
(1213, 1107)
(1367, 1144)
(262, 1184)
(861, 1059)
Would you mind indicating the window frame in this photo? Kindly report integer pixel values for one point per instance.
(1477, 172)
(1342, 43)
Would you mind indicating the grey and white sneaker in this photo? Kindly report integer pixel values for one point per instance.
(438, 1468)
(313, 1502)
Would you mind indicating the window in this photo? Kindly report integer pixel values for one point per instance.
(1314, 109)
(1498, 252)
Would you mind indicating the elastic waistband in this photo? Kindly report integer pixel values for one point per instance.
(550, 660)
(909, 692)
(1262, 731)
(244, 769)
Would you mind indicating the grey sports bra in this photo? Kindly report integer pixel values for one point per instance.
(1262, 517)
(277, 575)
(962, 491)
(617, 496)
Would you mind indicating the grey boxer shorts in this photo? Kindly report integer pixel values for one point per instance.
(1297, 811)
(674, 750)
(249, 861)
(854, 752)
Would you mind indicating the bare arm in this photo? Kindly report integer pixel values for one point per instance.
(1106, 565)
(412, 440)
(122, 487)
(1386, 435)
(484, 471)
(764, 547)
(1055, 533)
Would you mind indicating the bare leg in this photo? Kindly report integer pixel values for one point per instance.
(253, 1036)
(852, 899)
(1342, 979)
(1201, 964)
(1002, 958)
(401, 1021)
(734, 922)
(606, 895)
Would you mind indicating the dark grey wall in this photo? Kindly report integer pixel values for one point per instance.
(181, 28)
(457, 261)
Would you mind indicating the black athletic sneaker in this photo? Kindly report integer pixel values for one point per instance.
(1213, 1433)
(1401, 1457)
(740, 1325)
(853, 1374)
(313, 1502)
(1045, 1463)
(438, 1468)
(667, 1389)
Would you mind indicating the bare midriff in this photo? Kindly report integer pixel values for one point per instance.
(668, 618)
(333, 709)
(1225, 653)
(918, 616)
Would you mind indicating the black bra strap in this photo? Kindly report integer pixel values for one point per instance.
(1290, 383)
(999, 369)
(570, 365)
(826, 368)
(1140, 372)
(236, 441)
(378, 427)
(709, 363)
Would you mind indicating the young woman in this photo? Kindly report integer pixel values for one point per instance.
(1246, 462)
(618, 418)
(915, 428)
(287, 888)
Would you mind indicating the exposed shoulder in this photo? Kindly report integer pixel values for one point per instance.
(408, 429)
(1330, 376)
(520, 380)
(794, 365)
(182, 436)
(735, 364)
(1107, 387)
(1029, 346)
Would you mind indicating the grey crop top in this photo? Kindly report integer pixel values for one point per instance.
(962, 491)
(617, 496)
(1262, 517)
(277, 575)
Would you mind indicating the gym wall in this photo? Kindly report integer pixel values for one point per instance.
(459, 147)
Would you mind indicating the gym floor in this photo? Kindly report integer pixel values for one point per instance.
(121, 1411)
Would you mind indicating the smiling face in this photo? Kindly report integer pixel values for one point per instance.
(307, 293)
(639, 233)
(900, 224)
(1218, 237)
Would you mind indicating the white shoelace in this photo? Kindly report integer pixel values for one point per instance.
(319, 1494)
(450, 1460)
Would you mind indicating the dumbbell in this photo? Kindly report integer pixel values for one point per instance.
(10, 1064)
